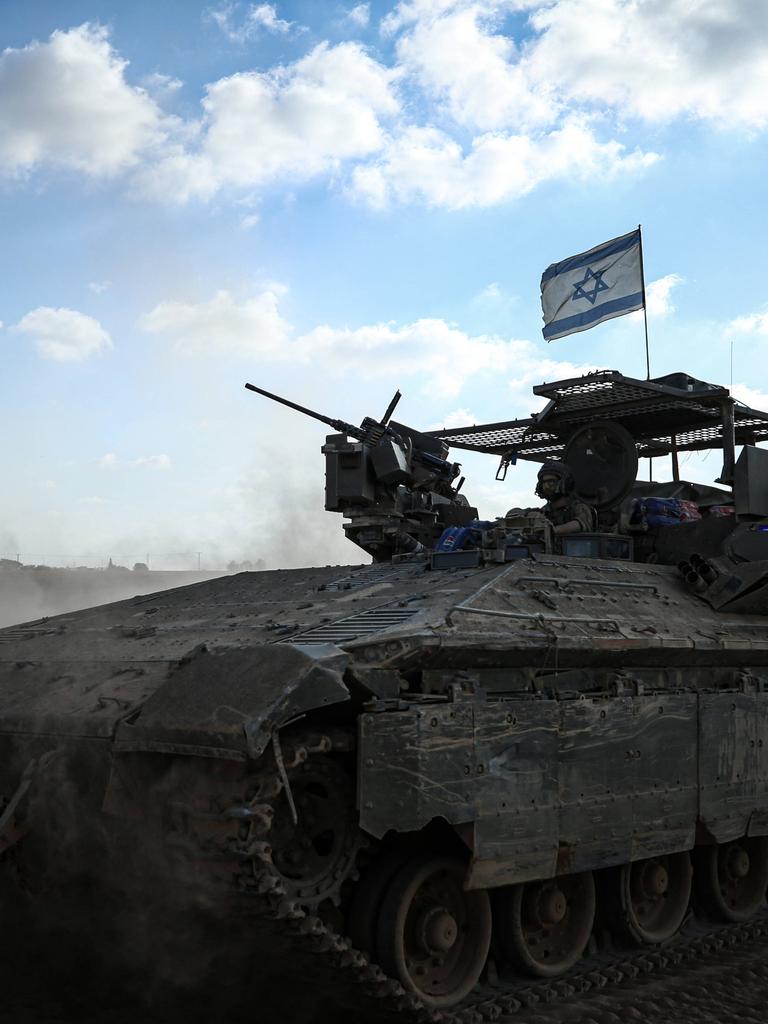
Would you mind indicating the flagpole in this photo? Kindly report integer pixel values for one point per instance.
(645, 311)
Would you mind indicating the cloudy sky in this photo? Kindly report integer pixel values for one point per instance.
(335, 200)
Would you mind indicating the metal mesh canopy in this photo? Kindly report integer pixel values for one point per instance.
(675, 412)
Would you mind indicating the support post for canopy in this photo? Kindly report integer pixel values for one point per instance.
(729, 442)
(675, 463)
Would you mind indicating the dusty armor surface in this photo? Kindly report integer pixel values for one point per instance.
(426, 781)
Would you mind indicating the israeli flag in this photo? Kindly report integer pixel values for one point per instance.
(597, 285)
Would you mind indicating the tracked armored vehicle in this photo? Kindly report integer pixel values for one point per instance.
(490, 759)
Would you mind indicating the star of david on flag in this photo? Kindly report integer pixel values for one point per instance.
(597, 285)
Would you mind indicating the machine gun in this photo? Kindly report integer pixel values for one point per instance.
(395, 484)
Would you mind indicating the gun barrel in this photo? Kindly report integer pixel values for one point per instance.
(340, 425)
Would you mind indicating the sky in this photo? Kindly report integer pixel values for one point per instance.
(334, 201)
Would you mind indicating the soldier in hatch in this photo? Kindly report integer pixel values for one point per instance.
(563, 509)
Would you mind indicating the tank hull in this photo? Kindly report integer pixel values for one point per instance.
(551, 718)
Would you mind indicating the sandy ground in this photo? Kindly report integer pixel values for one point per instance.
(127, 967)
(64, 984)
(128, 962)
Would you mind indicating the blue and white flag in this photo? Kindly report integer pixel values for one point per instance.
(597, 285)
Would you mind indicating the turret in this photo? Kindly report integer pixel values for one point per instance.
(394, 484)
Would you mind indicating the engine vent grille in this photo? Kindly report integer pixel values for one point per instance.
(375, 620)
(373, 574)
(9, 636)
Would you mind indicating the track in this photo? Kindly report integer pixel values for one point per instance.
(727, 984)
(255, 953)
(345, 986)
(722, 980)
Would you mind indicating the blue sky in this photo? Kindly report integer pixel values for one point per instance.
(335, 200)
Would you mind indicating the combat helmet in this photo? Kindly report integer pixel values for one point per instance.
(559, 470)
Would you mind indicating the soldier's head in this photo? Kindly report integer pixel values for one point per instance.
(554, 481)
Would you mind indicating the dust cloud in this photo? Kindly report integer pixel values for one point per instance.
(108, 958)
(28, 593)
(303, 534)
(105, 923)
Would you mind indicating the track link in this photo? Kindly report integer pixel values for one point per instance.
(237, 840)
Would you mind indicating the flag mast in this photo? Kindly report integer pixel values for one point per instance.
(645, 319)
(645, 311)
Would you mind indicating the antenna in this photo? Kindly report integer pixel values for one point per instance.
(731, 388)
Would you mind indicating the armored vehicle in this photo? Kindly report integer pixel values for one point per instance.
(487, 755)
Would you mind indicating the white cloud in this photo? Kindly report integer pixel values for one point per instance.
(66, 102)
(298, 120)
(467, 115)
(151, 461)
(222, 16)
(455, 418)
(491, 291)
(657, 60)
(751, 323)
(424, 164)
(439, 351)
(222, 325)
(658, 297)
(71, 105)
(160, 86)
(476, 72)
(359, 15)
(64, 334)
(495, 300)
(265, 16)
(586, 62)
(407, 12)
(110, 461)
(97, 287)
(177, 177)
(257, 18)
(752, 397)
(540, 370)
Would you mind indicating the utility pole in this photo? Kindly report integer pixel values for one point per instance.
(198, 560)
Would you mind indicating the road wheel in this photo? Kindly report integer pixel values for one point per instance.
(544, 926)
(653, 897)
(731, 878)
(433, 935)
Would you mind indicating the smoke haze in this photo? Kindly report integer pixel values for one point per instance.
(27, 593)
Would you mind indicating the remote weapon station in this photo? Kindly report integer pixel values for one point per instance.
(489, 759)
